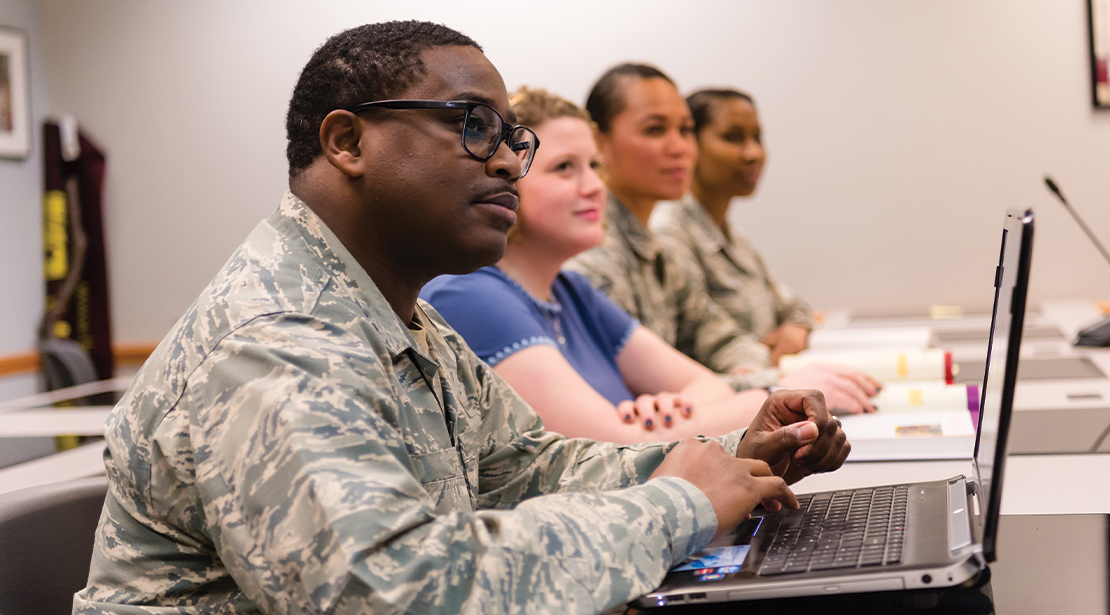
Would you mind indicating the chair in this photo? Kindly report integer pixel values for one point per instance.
(46, 541)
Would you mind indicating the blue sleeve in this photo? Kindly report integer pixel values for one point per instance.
(491, 316)
(614, 324)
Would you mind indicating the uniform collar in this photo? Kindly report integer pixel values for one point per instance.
(295, 219)
(624, 224)
(712, 237)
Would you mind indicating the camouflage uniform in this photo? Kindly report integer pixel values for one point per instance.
(291, 447)
(731, 269)
(631, 267)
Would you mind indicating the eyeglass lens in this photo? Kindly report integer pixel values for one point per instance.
(483, 135)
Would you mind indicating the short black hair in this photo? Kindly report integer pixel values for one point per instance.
(702, 102)
(606, 99)
(372, 62)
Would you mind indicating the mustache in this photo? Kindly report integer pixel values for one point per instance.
(506, 188)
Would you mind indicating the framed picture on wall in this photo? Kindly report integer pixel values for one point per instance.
(14, 118)
(1098, 12)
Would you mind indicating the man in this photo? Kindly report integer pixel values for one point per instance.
(310, 439)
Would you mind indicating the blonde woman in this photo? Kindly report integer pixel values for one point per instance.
(586, 366)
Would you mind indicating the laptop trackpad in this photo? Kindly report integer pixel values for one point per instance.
(723, 556)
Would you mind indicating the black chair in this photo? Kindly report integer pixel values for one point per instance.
(46, 541)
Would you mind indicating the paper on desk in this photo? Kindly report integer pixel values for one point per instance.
(910, 435)
(907, 425)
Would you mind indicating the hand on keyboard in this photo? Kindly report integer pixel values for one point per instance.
(795, 434)
(734, 486)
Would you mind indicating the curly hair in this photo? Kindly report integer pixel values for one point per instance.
(702, 104)
(371, 62)
(534, 106)
(606, 99)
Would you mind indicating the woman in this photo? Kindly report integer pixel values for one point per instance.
(583, 363)
(645, 134)
(730, 161)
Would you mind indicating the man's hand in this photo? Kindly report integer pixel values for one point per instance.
(790, 338)
(655, 410)
(846, 390)
(734, 486)
(796, 436)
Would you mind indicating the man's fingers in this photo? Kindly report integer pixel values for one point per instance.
(823, 454)
(758, 467)
(783, 442)
(774, 489)
(844, 452)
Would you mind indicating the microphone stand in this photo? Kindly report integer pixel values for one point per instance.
(1098, 334)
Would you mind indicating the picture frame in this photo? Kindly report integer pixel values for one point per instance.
(15, 127)
(1098, 23)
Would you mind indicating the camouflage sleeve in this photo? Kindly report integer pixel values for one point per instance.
(521, 460)
(602, 267)
(789, 308)
(705, 330)
(312, 502)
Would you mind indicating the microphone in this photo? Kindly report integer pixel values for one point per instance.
(1097, 334)
(1083, 225)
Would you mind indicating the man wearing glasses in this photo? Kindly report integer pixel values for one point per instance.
(309, 438)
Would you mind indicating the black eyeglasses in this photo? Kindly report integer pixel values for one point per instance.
(484, 130)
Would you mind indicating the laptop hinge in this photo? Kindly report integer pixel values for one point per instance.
(959, 518)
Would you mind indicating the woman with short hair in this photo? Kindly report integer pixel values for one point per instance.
(731, 156)
(645, 134)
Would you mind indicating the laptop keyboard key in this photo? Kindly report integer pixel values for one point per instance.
(842, 529)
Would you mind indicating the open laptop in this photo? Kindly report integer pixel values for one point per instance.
(887, 538)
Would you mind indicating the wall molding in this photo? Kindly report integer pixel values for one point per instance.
(131, 353)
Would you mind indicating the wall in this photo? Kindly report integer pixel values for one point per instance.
(898, 132)
(21, 283)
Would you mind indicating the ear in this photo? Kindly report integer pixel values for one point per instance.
(603, 142)
(341, 142)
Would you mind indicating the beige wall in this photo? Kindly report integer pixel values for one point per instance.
(898, 132)
(21, 282)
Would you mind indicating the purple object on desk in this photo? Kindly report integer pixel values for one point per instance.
(973, 402)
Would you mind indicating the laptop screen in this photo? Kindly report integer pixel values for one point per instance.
(1012, 282)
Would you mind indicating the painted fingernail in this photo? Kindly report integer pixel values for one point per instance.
(668, 419)
(627, 417)
(648, 423)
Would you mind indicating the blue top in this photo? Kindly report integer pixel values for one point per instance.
(497, 317)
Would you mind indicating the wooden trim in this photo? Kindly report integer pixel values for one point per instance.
(132, 353)
(19, 363)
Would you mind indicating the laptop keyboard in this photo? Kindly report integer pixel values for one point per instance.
(840, 529)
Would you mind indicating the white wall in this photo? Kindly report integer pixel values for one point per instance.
(898, 131)
(21, 282)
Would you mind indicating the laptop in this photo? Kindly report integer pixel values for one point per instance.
(920, 535)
